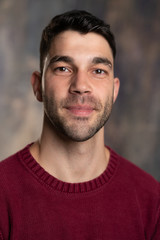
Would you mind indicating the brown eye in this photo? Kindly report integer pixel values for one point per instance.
(99, 71)
(62, 69)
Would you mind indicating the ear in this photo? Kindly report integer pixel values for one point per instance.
(116, 88)
(36, 85)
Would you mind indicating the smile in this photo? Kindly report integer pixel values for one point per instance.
(77, 110)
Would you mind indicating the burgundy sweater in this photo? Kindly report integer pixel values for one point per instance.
(123, 203)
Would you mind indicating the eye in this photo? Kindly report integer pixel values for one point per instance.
(62, 69)
(99, 71)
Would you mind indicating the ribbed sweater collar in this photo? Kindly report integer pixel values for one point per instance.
(44, 177)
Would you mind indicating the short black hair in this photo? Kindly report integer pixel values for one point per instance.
(78, 20)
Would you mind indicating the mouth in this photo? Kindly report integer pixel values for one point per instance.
(81, 111)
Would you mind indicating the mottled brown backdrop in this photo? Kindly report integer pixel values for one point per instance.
(133, 129)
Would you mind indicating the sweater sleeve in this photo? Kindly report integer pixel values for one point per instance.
(156, 235)
(157, 230)
(1, 236)
(4, 220)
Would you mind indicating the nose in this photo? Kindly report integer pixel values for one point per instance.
(80, 84)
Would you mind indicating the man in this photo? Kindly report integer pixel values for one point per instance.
(68, 185)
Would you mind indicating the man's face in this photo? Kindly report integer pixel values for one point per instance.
(78, 84)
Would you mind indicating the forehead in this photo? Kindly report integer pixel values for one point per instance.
(73, 43)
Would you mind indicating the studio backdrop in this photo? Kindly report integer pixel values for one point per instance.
(133, 129)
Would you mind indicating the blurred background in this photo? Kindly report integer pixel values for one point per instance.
(133, 129)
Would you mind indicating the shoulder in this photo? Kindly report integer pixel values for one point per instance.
(11, 174)
(134, 177)
(9, 164)
(14, 159)
(11, 168)
(141, 191)
(8, 175)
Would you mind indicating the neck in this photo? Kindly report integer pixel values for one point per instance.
(71, 161)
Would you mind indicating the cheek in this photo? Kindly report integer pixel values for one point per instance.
(105, 90)
(55, 90)
(51, 84)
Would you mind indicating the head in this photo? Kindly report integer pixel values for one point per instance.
(76, 83)
(80, 21)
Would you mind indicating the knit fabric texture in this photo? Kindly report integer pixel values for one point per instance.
(123, 203)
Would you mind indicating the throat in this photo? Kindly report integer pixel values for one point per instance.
(78, 165)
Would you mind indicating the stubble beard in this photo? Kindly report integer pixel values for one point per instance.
(77, 129)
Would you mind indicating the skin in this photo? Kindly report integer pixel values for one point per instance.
(77, 89)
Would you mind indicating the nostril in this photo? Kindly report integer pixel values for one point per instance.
(79, 92)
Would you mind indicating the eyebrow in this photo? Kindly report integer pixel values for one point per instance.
(105, 61)
(67, 59)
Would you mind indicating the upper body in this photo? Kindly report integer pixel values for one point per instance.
(77, 86)
(122, 203)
